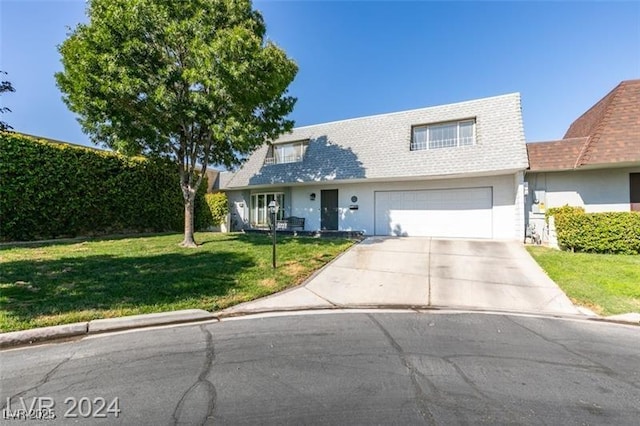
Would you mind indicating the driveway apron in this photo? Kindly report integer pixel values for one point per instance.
(426, 272)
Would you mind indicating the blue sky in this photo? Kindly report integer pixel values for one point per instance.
(371, 57)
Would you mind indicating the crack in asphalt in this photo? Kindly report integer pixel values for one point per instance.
(420, 397)
(514, 419)
(439, 398)
(606, 370)
(44, 380)
(201, 380)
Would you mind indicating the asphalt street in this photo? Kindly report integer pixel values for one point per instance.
(335, 368)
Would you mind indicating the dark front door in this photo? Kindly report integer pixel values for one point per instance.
(329, 209)
(634, 191)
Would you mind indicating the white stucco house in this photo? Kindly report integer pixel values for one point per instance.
(596, 165)
(445, 171)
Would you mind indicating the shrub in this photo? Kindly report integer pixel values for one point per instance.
(616, 232)
(566, 209)
(218, 207)
(50, 190)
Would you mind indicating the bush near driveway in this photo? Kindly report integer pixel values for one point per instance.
(609, 284)
(614, 232)
(63, 283)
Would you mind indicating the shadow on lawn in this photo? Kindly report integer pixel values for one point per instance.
(106, 282)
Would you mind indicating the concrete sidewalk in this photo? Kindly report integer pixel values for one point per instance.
(425, 272)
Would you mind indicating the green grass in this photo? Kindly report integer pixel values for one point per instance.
(608, 284)
(59, 283)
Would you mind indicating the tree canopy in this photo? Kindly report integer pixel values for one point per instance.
(196, 81)
(5, 86)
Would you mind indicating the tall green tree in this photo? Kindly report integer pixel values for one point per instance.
(196, 81)
(5, 86)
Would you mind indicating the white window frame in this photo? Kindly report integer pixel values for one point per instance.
(275, 155)
(429, 144)
(261, 219)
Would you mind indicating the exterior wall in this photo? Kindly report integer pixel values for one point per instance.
(519, 206)
(604, 190)
(238, 209)
(507, 216)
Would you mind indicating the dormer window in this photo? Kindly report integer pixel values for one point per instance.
(292, 152)
(444, 135)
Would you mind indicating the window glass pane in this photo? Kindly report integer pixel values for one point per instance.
(279, 154)
(419, 138)
(260, 215)
(298, 151)
(466, 133)
(280, 200)
(261, 210)
(287, 153)
(442, 136)
(252, 209)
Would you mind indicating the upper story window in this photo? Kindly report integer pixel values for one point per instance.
(292, 152)
(443, 135)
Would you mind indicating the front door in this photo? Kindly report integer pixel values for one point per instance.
(329, 209)
(634, 191)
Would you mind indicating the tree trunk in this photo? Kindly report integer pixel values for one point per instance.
(188, 240)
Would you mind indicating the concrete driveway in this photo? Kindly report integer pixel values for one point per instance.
(426, 272)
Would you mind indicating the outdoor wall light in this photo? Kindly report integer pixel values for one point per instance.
(273, 208)
(312, 197)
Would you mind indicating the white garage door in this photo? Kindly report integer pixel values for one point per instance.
(455, 213)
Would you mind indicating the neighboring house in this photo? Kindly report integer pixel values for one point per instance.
(213, 180)
(597, 163)
(447, 171)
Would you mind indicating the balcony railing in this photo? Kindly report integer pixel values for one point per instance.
(283, 160)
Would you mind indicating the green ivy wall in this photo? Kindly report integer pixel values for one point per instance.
(52, 190)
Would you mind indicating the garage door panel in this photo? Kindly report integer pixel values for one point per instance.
(457, 213)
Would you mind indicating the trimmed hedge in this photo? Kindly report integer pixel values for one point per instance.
(566, 209)
(51, 190)
(616, 232)
(218, 207)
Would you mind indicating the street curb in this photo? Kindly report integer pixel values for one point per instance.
(408, 307)
(631, 318)
(27, 337)
(224, 315)
(40, 335)
(66, 331)
(148, 320)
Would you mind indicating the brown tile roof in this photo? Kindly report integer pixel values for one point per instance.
(609, 133)
(555, 155)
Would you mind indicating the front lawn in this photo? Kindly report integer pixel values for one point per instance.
(608, 284)
(69, 282)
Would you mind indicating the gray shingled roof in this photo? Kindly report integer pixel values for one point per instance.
(377, 147)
